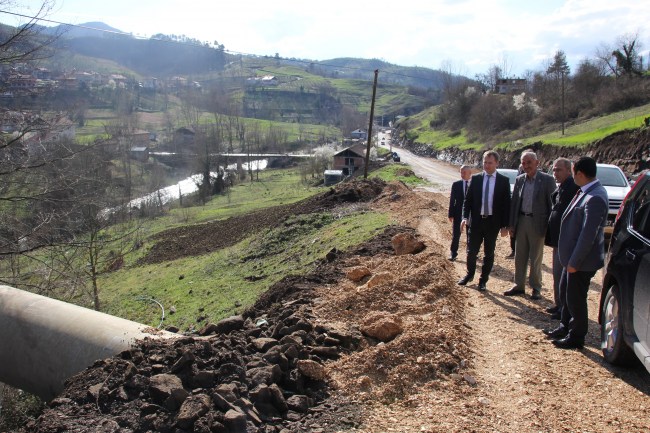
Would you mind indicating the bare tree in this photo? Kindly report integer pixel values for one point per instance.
(622, 59)
(25, 42)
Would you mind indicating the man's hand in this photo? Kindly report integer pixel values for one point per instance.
(511, 231)
(451, 220)
(504, 232)
(571, 269)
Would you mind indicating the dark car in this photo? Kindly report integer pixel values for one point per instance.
(624, 315)
(395, 157)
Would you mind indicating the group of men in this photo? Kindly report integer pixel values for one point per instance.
(566, 211)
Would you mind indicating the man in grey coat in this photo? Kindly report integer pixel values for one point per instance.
(529, 211)
(581, 249)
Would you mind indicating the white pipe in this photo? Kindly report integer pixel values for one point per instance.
(43, 341)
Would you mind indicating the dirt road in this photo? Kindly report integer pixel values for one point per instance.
(440, 174)
(518, 381)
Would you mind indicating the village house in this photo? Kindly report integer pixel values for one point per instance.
(350, 159)
(139, 138)
(140, 153)
(510, 86)
(267, 80)
(359, 134)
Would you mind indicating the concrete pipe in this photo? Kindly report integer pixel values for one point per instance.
(43, 341)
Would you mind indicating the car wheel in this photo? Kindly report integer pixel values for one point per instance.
(615, 350)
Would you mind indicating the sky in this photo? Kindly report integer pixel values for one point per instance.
(464, 36)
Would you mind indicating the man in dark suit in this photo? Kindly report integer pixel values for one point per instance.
(486, 208)
(531, 205)
(455, 213)
(581, 249)
(561, 198)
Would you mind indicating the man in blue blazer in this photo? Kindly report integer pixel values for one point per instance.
(486, 210)
(455, 212)
(581, 250)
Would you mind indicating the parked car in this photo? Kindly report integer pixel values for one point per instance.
(617, 187)
(396, 157)
(511, 174)
(624, 314)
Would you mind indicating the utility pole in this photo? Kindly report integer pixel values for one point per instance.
(372, 115)
(562, 77)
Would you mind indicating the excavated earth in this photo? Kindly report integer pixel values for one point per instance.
(305, 357)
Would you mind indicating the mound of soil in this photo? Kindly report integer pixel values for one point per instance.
(200, 239)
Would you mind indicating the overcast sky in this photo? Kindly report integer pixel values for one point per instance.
(471, 35)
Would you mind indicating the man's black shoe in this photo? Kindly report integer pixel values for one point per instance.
(463, 281)
(481, 286)
(513, 292)
(569, 343)
(553, 309)
(557, 333)
(452, 257)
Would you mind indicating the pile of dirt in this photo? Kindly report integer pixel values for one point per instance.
(188, 241)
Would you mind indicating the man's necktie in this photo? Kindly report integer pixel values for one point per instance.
(486, 196)
(466, 186)
(575, 198)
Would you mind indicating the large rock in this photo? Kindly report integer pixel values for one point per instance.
(405, 243)
(167, 389)
(357, 273)
(231, 323)
(193, 408)
(382, 326)
(380, 278)
(311, 369)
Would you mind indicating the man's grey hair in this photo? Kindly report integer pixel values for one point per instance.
(528, 152)
(465, 167)
(564, 162)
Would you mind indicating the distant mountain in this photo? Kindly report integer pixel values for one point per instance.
(159, 56)
(93, 29)
(347, 67)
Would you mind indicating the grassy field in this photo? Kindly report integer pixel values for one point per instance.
(578, 134)
(583, 133)
(398, 172)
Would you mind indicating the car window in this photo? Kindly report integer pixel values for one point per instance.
(641, 217)
(511, 174)
(611, 176)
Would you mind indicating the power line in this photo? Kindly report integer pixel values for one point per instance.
(231, 52)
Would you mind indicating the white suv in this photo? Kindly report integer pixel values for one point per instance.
(617, 187)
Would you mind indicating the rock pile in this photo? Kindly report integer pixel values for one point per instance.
(256, 375)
